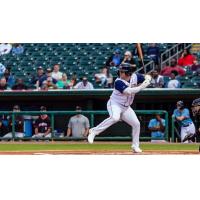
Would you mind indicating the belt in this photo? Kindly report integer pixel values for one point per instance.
(187, 125)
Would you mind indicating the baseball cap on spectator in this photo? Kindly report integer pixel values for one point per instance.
(117, 51)
(43, 108)
(40, 67)
(84, 78)
(16, 107)
(78, 108)
(49, 70)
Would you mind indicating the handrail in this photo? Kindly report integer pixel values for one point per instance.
(144, 69)
(176, 49)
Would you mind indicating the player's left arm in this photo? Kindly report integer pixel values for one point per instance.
(48, 129)
(185, 115)
(87, 126)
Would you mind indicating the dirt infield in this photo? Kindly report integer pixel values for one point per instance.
(66, 152)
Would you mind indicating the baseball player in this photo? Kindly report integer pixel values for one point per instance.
(196, 113)
(182, 115)
(118, 106)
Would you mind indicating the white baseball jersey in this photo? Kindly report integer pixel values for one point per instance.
(118, 96)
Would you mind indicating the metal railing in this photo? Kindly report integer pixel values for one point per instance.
(150, 66)
(173, 52)
(90, 113)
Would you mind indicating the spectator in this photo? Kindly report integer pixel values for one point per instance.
(195, 66)
(104, 77)
(56, 74)
(3, 84)
(157, 128)
(46, 76)
(84, 84)
(5, 48)
(166, 71)
(115, 59)
(174, 83)
(42, 126)
(157, 80)
(129, 59)
(19, 124)
(10, 79)
(35, 79)
(182, 115)
(153, 52)
(78, 125)
(186, 59)
(17, 49)
(3, 128)
(2, 69)
(74, 79)
(49, 83)
(19, 85)
(64, 83)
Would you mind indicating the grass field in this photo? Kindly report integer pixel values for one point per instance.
(96, 148)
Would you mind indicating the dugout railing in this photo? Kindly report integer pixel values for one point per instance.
(92, 114)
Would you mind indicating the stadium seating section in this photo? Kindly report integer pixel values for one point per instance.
(81, 58)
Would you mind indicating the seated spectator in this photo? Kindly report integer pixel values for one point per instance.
(128, 58)
(84, 84)
(19, 124)
(74, 79)
(186, 59)
(115, 59)
(35, 78)
(17, 49)
(166, 71)
(10, 79)
(174, 83)
(195, 66)
(5, 48)
(78, 125)
(3, 84)
(45, 77)
(157, 80)
(42, 126)
(153, 52)
(48, 84)
(2, 69)
(157, 128)
(104, 77)
(56, 74)
(19, 85)
(64, 83)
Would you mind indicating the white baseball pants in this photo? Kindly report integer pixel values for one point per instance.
(17, 134)
(118, 113)
(41, 135)
(187, 130)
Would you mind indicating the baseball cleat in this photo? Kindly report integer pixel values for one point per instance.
(190, 136)
(137, 150)
(91, 136)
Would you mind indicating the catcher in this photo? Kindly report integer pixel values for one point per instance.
(196, 113)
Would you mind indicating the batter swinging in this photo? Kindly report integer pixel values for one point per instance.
(119, 103)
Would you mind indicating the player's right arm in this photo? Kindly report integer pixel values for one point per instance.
(134, 90)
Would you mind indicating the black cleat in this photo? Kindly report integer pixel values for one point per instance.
(188, 137)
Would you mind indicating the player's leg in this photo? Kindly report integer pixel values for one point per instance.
(114, 112)
(130, 118)
(184, 134)
(190, 133)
